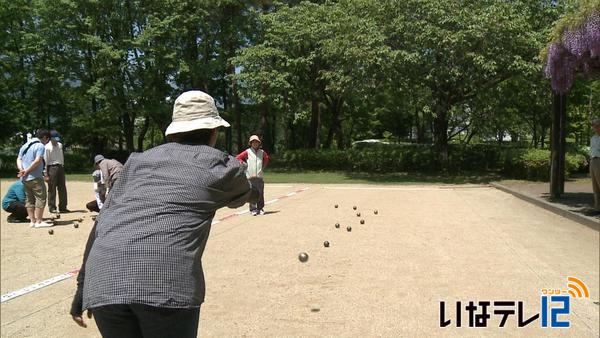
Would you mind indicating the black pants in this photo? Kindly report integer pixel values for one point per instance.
(57, 182)
(137, 320)
(17, 211)
(259, 183)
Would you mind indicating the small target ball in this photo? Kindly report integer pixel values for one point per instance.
(375, 212)
(51, 232)
(354, 207)
(303, 257)
(349, 228)
(362, 221)
(326, 244)
(337, 225)
(336, 206)
(358, 214)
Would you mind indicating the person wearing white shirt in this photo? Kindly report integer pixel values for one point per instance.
(595, 163)
(55, 174)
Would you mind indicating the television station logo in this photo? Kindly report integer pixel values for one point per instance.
(555, 307)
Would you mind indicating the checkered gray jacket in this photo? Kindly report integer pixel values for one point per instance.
(152, 231)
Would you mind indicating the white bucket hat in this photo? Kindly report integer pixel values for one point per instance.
(195, 110)
(254, 138)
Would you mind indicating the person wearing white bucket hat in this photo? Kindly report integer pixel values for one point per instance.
(142, 271)
(257, 160)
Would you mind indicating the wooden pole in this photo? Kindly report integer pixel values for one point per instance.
(557, 145)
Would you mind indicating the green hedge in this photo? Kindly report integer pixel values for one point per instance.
(78, 161)
(75, 162)
(523, 163)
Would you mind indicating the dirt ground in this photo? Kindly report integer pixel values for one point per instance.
(386, 277)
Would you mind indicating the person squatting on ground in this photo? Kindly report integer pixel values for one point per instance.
(111, 170)
(30, 163)
(14, 203)
(257, 160)
(99, 191)
(142, 272)
(55, 174)
(595, 163)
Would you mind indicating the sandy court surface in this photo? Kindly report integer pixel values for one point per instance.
(384, 278)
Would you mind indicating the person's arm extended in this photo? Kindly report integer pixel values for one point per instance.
(77, 304)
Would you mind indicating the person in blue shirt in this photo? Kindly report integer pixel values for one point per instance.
(30, 163)
(14, 203)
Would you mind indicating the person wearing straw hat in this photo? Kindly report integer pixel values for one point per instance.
(257, 160)
(595, 163)
(142, 271)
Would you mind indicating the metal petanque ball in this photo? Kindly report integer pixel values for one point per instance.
(326, 244)
(336, 205)
(303, 257)
(375, 212)
(337, 225)
(354, 207)
(51, 232)
(349, 228)
(75, 225)
(362, 221)
(358, 214)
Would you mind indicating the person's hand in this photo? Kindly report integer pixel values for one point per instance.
(79, 319)
(21, 173)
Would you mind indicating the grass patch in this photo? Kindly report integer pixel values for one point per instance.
(336, 177)
(340, 177)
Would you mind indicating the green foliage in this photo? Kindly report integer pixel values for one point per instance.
(105, 73)
(533, 164)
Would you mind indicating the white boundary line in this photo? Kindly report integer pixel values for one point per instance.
(66, 275)
(36, 286)
(436, 188)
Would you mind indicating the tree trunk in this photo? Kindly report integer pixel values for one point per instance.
(315, 125)
(470, 136)
(237, 109)
(557, 151)
(334, 129)
(142, 134)
(128, 127)
(420, 125)
(267, 142)
(440, 128)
